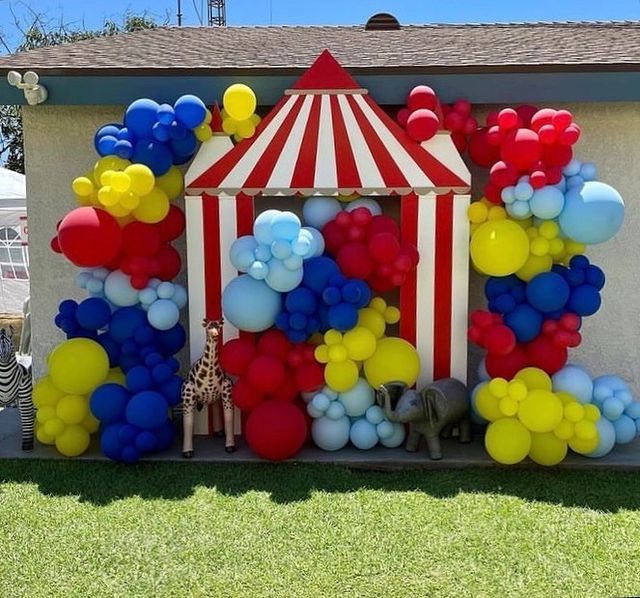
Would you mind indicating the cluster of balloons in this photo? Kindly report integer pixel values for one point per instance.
(157, 135)
(84, 319)
(76, 367)
(420, 116)
(238, 115)
(458, 120)
(351, 416)
(368, 246)
(528, 417)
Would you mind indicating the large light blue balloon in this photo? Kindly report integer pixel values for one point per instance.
(330, 434)
(547, 202)
(317, 242)
(285, 225)
(163, 314)
(317, 211)
(363, 435)
(625, 429)
(242, 251)
(607, 438)
(118, 289)
(280, 278)
(262, 227)
(592, 213)
(250, 304)
(396, 439)
(357, 399)
(576, 381)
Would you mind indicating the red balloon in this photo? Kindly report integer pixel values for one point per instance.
(384, 247)
(526, 112)
(383, 224)
(140, 238)
(561, 120)
(460, 141)
(470, 126)
(422, 96)
(354, 260)
(55, 245)
(557, 154)
(361, 217)
(542, 118)
(492, 118)
(245, 397)
(173, 224)
(499, 340)
(547, 134)
(236, 356)
(493, 193)
(309, 376)
(462, 107)
(423, 124)
(287, 391)
(380, 284)
(276, 430)
(506, 366)
(507, 118)
(454, 121)
(570, 135)
(334, 236)
(89, 237)
(274, 343)
(543, 353)
(503, 174)
(266, 373)
(402, 116)
(554, 175)
(538, 179)
(169, 263)
(522, 148)
(481, 152)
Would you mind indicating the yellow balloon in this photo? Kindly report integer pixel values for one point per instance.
(90, 423)
(230, 126)
(564, 430)
(507, 441)
(255, 119)
(72, 409)
(239, 101)
(338, 353)
(574, 412)
(129, 201)
(541, 411)
(141, 178)
(341, 376)
(171, 182)
(392, 315)
(237, 138)
(78, 366)
(586, 430)
(82, 186)
(373, 320)
(547, 449)
(332, 337)
(108, 196)
(499, 247)
(44, 414)
(508, 406)
(108, 163)
(53, 427)
(478, 212)
(43, 437)
(394, 360)
(347, 198)
(487, 404)
(321, 353)
(73, 441)
(203, 132)
(582, 446)
(153, 207)
(245, 128)
(116, 375)
(360, 343)
(45, 393)
(533, 266)
(120, 182)
(591, 413)
(535, 378)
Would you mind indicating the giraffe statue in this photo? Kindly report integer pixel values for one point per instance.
(207, 384)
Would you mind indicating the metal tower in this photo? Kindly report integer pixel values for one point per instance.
(217, 13)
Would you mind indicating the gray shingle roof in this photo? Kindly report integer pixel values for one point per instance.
(477, 47)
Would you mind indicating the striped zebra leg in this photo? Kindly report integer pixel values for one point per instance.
(27, 412)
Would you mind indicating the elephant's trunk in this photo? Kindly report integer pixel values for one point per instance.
(392, 416)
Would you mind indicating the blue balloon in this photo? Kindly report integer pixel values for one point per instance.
(93, 313)
(186, 146)
(584, 300)
(111, 347)
(108, 402)
(548, 292)
(285, 225)
(317, 211)
(163, 314)
(110, 441)
(161, 132)
(593, 213)
(68, 308)
(574, 380)
(250, 305)
(190, 111)
(343, 316)
(396, 439)
(123, 149)
(124, 322)
(612, 408)
(165, 435)
(128, 434)
(330, 434)
(139, 379)
(106, 145)
(280, 278)
(363, 435)
(109, 132)
(118, 289)
(301, 300)
(606, 438)
(147, 409)
(146, 441)
(140, 117)
(547, 202)
(633, 409)
(165, 114)
(317, 272)
(525, 321)
(625, 429)
(130, 454)
(171, 341)
(262, 228)
(171, 390)
(161, 373)
(154, 154)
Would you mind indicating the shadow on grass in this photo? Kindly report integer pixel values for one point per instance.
(102, 483)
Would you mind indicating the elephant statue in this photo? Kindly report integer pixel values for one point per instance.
(435, 410)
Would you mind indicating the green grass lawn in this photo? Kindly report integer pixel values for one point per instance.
(88, 529)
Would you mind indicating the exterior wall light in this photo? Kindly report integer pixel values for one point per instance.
(34, 93)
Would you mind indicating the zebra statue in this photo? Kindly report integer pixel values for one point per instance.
(16, 386)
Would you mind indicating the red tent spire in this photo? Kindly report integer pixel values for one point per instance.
(216, 119)
(325, 74)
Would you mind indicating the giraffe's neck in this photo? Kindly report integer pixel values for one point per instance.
(210, 355)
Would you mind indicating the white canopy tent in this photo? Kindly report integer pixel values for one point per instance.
(14, 256)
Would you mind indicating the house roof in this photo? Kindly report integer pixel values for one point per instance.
(490, 47)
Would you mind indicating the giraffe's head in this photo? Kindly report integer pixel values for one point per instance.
(7, 352)
(213, 328)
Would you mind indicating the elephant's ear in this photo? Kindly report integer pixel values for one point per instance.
(430, 411)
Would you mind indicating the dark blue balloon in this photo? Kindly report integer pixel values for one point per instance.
(147, 409)
(111, 347)
(525, 321)
(108, 402)
(584, 300)
(595, 276)
(140, 117)
(172, 389)
(161, 373)
(504, 303)
(128, 434)
(301, 300)
(108, 133)
(177, 130)
(93, 313)
(106, 145)
(139, 378)
(161, 132)
(343, 316)
(190, 111)
(298, 321)
(165, 435)
(356, 291)
(110, 441)
(146, 441)
(331, 296)
(144, 335)
(154, 154)
(548, 292)
(124, 322)
(166, 114)
(153, 359)
(130, 454)
(68, 308)
(317, 271)
(185, 146)
(123, 149)
(171, 341)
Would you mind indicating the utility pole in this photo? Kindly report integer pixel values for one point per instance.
(179, 15)
(217, 13)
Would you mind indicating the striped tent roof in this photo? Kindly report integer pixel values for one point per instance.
(327, 136)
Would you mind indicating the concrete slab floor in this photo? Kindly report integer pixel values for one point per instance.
(211, 450)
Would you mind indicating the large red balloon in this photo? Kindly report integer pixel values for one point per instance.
(173, 224)
(522, 148)
(236, 356)
(354, 260)
(506, 366)
(383, 224)
(422, 96)
(557, 154)
(287, 391)
(140, 238)
(245, 396)
(543, 353)
(503, 174)
(335, 236)
(423, 124)
(309, 376)
(274, 343)
(89, 237)
(169, 263)
(481, 152)
(266, 373)
(276, 430)
(384, 247)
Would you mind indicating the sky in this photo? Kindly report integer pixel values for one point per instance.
(92, 13)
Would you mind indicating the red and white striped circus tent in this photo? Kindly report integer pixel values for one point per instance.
(327, 136)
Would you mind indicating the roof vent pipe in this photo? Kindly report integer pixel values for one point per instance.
(382, 21)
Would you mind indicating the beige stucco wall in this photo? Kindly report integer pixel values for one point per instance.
(59, 147)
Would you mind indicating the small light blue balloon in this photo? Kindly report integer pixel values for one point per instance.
(285, 225)
(281, 249)
(482, 370)
(330, 434)
(118, 289)
(82, 278)
(508, 194)
(562, 185)
(519, 210)
(396, 439)
(523, 191)
(313, 412)
(374, 414)
(317, 242)
(262, 227)
(303, 243)
(321, 402)
(475, 414)
(180, 296)
(241, 253)
(612, 408)
(293, 262)
(332, 394)
(363, 435)
(588, 171)
(317, 211)
(547, 202)
(154, 283)
(95, 286)
(593, 213)
(163, 314)
(148, 296)
(633, 409)
(625, 396)
(258, 270)
(574, 380)
(625, 429)
(165, 290)
(364, 202)
(606, 438)
(282, 279)
(357, 399)
(262, 253)
(574, 181)
(250, 304)
(572, 168)
(384, 430)
(335, 410)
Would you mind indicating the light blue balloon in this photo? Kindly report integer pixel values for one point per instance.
(321, 402)
(562, 185)
(282, 279)
(638, 426)
(302, 244)
(258, 270)
(475, 414)
(118, 289)
(180, 296)
(95, 286)
(508, 194)
(250, 304)
(547, 202)
(335, 410)
(332, 394)
(384, 430)
(148, 296)
(625, 429)
(592, 213)
(285, 225)
(518, 210)
(374, 414)
(574, 181)
(281, 249)
(82, 278)
(313, 412)
(357, 399)
(317, 242)
(363, 435)
(606, 438)
(165, 290)
(523, 191)
(154, 283)
(588, 171)
(625, 396)
(612, 408)
(576, 381)
(317, 211)
(364, 202)
(241, 252)
(572, 168)
(163, 314)
(482, 370)
(396, 439)
(633, 409)
(293, 262)
(262, 253)
(330, 434)
(262, 227)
